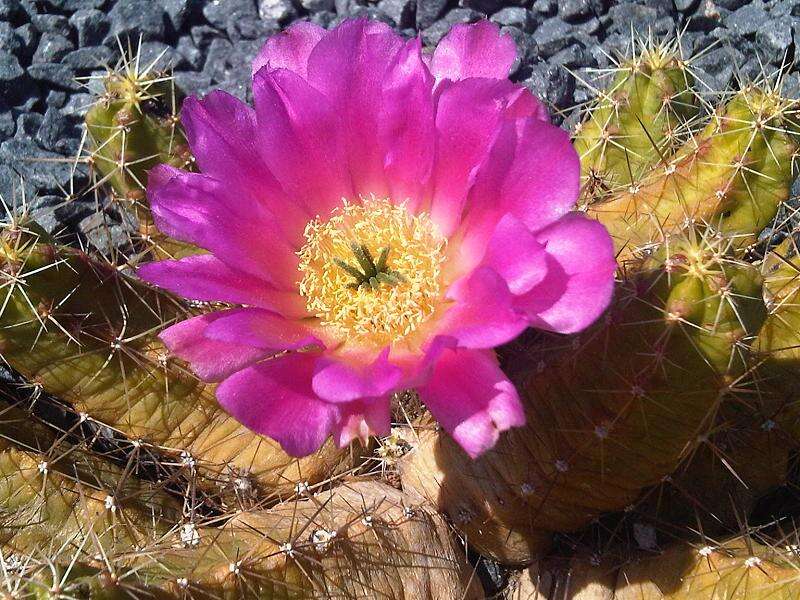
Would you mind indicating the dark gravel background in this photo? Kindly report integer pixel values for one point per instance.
(47, 46)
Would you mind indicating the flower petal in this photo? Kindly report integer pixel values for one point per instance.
(516, 255)
(211, 360)
(300, 139)
(221, 131)
(580, 278)
(474, 50)
(195, 208)
(472, 399)
(290, 49)
(350, 67)
(361, 419)
(340, 381)
(205, 277)
(483, 314)
(261, 329)
(274, 398)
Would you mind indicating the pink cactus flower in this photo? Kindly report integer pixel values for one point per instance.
(381, 220)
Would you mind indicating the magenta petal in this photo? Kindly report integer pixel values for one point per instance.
(211, 360)
(468, 117)
(542, 183)
(261, 329)
(350, 66)
(300, 139)
(406, 128)
(196, 208)
(580, 278)
(472, 399)
(483, 314)
(274, 398)
(515, 254)
(205, 277)
(290, 48)
(338, 381)
(361, 419)
(477, 50)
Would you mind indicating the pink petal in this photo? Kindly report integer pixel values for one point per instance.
(290, 48)
(468, 117)
(516, 255)
(340, 381)
(580, 278)
(361, 419)
(221, 131)
(301, 141)
(483, 314)
(211, 360)
(274, 398)
(542, 183)
(205, 277)
(195, 208)
(406, 127)
(261, 329)
(472, 399)
(474, 50)
(350, 67)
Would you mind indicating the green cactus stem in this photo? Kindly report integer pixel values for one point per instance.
(732, 176)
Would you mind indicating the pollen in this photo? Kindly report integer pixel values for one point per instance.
(372, 271)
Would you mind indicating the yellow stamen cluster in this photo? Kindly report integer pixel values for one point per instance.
(377, 314)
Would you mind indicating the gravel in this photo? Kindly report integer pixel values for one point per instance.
(49, 47)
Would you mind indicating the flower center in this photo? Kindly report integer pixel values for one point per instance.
(371, 272)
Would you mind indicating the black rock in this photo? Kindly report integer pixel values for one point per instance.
(522, 43)
(77, 105)
(217, 12)
(368, 12)
(95, 57)
(325, 19)
(7, 124)
(11, 10)
(216, 65)
(545, 7)
(134, 18)
(574, 11)
(747, 19)
(190, 52)
(686, 5)
(250, 27)
(433, 34)
(191, 83)
(161, 56)
(52, 24)
(553, 35)
(552, 84)
(622, 17)
(52, 129)
(317, 5)
(486, 7)
(56, 98)
(237, 86)
(730, 4)
(91, 25)
(203, 35)
(716, 67)
(28, 124)
(276, 10)
(73, 5)
(775, 36)
(42, 169)
(429, 11)
(177, 11)
(515, 16)
(9, 41)
(10, 71)
(52, 48)
(400, 11)
(58, 75)
(28, 38)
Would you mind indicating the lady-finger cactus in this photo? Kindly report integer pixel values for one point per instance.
(733, 175)
(637, 120)
(610, 411)
(86, 333)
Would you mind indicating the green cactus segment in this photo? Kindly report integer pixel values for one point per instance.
(133, 127)
(635, 123)
(88, 335)
(740, 569)
(732, 176)
(609, 412)
(360, 540)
